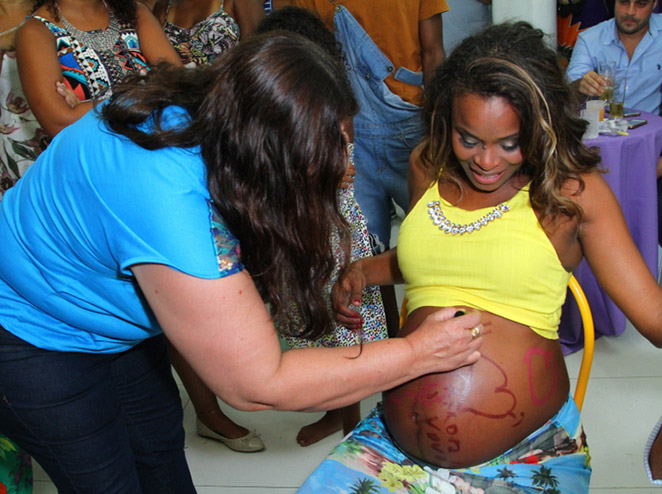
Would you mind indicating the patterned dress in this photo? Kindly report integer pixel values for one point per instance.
(202, 42)
(21, 141)
(371, 308)
(92, 74)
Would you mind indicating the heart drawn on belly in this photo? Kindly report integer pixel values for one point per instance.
(501, 389)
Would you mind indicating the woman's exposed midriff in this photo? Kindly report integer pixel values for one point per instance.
(470, 415)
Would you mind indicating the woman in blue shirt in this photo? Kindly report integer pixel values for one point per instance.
(180, 207)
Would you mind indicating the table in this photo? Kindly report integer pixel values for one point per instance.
(631, 161)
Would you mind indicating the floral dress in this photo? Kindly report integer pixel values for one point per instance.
(21, 141)
(371, 308)
(202, 42)
(21, 137)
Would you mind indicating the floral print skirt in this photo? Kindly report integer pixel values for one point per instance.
(552, 460)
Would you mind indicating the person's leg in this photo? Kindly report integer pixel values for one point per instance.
(382, 164)
(369, 193)
(351, 415)
(375, 203)
(397, 148)
(332, 421)
(63, 409)
(203, 399)
(152, 411)
(211, 422)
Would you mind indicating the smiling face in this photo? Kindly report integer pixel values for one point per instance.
(485, 138)
(632, 16)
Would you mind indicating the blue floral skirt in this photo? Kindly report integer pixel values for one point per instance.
(552, 460)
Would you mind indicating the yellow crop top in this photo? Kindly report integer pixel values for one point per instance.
(507, 267)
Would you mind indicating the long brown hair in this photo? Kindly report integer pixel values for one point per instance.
(512, 61)
(267, 117)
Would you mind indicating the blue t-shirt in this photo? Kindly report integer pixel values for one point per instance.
(94, 204)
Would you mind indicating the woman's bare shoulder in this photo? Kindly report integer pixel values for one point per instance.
(33, 32)
(591, 184)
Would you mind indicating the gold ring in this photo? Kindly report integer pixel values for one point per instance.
(475, 333)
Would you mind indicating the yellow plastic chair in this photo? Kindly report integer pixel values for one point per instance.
(589, 341)
(589, 338)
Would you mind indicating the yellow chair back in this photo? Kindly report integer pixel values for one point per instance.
(589, 341)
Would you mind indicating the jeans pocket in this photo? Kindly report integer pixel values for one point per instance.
(403, 74)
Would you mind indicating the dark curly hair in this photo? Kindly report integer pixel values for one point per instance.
(512, 61)
(267, 116)
(125, 10)
(304, 22)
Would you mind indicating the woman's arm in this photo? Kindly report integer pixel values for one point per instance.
(432, 44)
(617, 264)
(39, 71)
(222, 328)
(154, 43)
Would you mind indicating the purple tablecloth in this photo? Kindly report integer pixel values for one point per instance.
(631, 161)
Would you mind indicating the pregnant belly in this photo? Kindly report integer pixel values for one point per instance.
(470, 415)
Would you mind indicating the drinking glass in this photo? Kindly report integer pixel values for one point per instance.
(618, 98)
(592, 116)
(608, 71)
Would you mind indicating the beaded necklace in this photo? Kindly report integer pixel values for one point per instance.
(444, 224)
(100, 40)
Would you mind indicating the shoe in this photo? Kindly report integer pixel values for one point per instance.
(647, 451)
(249, 443)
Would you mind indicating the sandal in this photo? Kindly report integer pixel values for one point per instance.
(248, 443)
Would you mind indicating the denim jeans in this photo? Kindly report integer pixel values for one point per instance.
(96, 423)
(386, 129)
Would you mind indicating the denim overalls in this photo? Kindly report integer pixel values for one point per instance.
(385, 130)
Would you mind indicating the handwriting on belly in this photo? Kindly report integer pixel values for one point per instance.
(442, 430)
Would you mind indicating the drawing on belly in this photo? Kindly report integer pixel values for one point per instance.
(442, 431)
(501, 389)
(549, 365)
